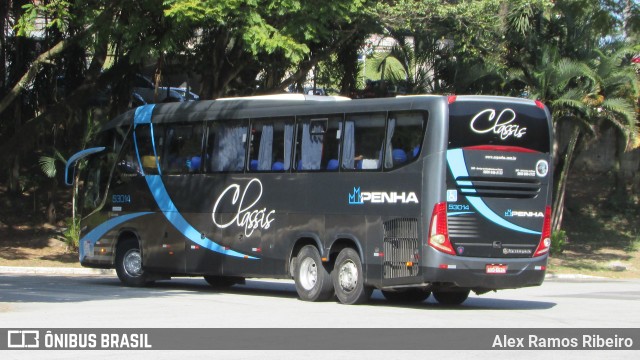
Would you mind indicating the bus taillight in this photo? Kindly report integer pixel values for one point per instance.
(545, 238)
(438, 230)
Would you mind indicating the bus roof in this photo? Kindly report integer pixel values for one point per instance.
(293, 104)
(288, 96)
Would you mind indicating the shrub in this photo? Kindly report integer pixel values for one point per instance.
(559, 240)
(71, 234)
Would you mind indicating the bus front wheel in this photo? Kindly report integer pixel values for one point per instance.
(313, 282)
(348, 279)
(129, 264)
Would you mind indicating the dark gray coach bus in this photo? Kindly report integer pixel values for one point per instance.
(414, 195)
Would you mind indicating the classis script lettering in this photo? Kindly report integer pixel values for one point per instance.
(503, 125)
(245, 214)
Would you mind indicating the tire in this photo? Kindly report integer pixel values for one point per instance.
(456, 297)
(348, 279)
(313, 282)
(222, 282)
(129, 264)
(412, 295)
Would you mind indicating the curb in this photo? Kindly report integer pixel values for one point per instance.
(572, 277)
(54, 271)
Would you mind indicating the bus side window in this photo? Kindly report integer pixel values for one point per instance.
(183, 149)
(363, 141)
(405, 133)
(148, 149)
(226, 147)
(318, 143)
(270, 148)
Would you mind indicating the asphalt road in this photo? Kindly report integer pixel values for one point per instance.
(37, 301)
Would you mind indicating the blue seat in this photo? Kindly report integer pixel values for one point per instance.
(253, 165)
(194, 163)
(277, 166)
(332, 165)
(399, 157)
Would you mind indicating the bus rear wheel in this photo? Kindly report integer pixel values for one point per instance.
(348, 279)
(456, 297)
(413, 295)
(129, 264)
(313, 282)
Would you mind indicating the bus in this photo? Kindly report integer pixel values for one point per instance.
(413, 195)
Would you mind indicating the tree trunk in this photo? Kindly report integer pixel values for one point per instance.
(14, 175)
(43, 58)
(619, 195)
(4, 14)
(562, 177)
(32, 72)
(23, 140)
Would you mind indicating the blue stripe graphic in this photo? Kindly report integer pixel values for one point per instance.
(457, 164)
(143, 114)
(162, 198)
(178, 221)
(99, 231)
(459, 213)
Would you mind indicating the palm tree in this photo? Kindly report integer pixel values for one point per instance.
(615, 105)
(416, 66)
(582, 97)
(561, 84)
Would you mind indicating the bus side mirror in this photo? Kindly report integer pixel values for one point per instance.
(71, 163)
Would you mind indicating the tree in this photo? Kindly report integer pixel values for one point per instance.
(266, 38)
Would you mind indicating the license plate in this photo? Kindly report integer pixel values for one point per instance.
(496, 269)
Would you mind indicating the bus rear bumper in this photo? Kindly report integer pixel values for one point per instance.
(485, 274)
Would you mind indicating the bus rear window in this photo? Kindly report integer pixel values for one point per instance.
(499, 124)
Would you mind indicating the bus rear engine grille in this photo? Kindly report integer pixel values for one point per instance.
(498, 187)
(463, 227)
(401, 248)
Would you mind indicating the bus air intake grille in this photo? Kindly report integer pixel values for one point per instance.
(508, 188)
(401, 248)
(463, 227)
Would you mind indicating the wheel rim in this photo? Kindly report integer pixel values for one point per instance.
(308, 274)
(133, 263)
(348, 276)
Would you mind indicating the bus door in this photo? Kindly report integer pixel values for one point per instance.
(92, 198)
(498, 177)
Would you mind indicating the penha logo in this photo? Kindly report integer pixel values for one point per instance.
(378, 197)
(526, 214)
(356, 197)
(245, 215)
(502, 126)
